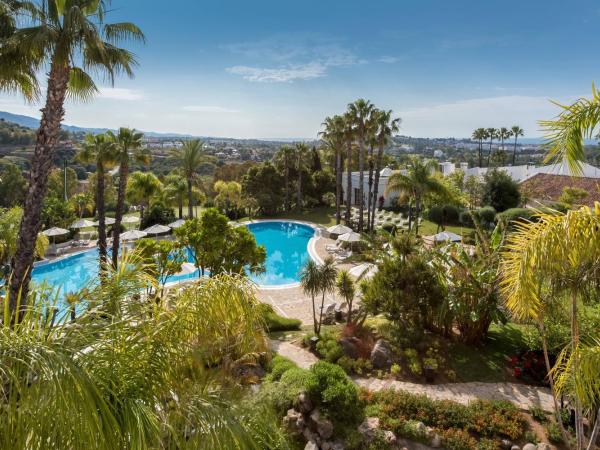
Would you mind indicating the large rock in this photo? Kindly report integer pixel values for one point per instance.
(321, 425)
(543, 446)
(311, 445)
(294, 421)
(515, 447)
(530, 446)
(248, 372)
(368, 428)
(436, 441)
(381, 355)
(349, 346)
(505, 444)
(304, 403)
(390, 438)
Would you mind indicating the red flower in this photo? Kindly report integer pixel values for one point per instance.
(517, 372)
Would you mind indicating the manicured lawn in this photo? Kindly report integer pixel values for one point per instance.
(487, 362)
(428, 228)
(322, 215)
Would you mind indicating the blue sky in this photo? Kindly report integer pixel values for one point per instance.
(275, 69)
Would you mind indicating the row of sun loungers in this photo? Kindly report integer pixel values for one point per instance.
(333, 312)
(338, 251)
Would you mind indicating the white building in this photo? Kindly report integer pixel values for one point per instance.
(384, 177)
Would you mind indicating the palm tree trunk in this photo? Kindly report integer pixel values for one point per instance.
(417, 214)
(489, 154)
(480, 152)
(349, 181)
(180, 205)
(349, 315)
(514, 152)
(376, 182)
(316, 330)
(321, 313)
(361, 179)
(595, 431)
(370, 194)
(190, 198)
(574, 350)
(410, 215)
(299, 192)
(123, 174)
(338, 185)
(287, 185)
(46, 138)
(101, 215)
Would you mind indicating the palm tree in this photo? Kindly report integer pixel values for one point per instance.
(283, 159)
(503, 134)
(417, 183)
(176, 191)
(189, 158)
(386, 128)
(372, 143)
(129, 146)
(346, 290)
(311, 285)
(302, 152)
(491, 134)
(100, 150)
(59, 35)
(360, 112)
(516, 131)
(327, 277)
(349, 135)
(142, 186)
(479, 135)
(333, 135)
(561, 251)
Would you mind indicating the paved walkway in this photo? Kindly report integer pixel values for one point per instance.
(521, 395)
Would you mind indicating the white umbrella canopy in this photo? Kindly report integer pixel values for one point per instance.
(55, 231)
(186, 269)
(132, 235)
(107, 221)
(364, 271)
(349, 237)
(177, 223)
(157, 229)
(339, 229)
(130, 219)
(446, 236)
(82, 223)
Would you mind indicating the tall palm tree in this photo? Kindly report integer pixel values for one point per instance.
(562, 251)
(302, 152)
(360, 112)
(176, 191)
(349, 135)
(72, 40)
(327, 278)
(333, 135)
(141, 187)
(491, 134)
(516, 131)
(372, 143)
(129, 147)
(311, 286)
(417, 183)
(189, 158)
(346, 290)
(479, 135)
(386, 128)
(504, 134)
(283, 159)
(102, 151)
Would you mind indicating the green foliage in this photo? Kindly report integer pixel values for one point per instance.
(553, 433)
(456, 439)
(573, 196)
(279, 366)
(512, 215)
(57, 212)
(275, 322)
(537, 413)
(161, 258)
(329, 348)
(9, 229)
(158, 214)
(331, 388)
(500, 191)
(12, 185)
(265, 184)
(56, 183)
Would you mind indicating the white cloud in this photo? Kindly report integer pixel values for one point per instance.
(280, 74)
(388, 59)
(460, 118)
(208, 109)
(119, 94)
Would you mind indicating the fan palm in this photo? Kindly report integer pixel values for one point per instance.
(129, 146)
(516, 131)
(283, 159)
(349, 135)
(141, 187)
(333, 135)
(360, 112)
(189, 159)
(302, 153)
(176, 191)
(479, 135)
(491, 134)
(72, 40)
(503, 134)
(101, 151)
(558, 250)
(417, 183)
(386, 128)
(327, 279)
(311, 286)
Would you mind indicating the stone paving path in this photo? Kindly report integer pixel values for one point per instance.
(521, 395)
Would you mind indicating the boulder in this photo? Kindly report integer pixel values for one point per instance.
(321, 425)
(337, 445)
(543, 446)
(311, 436)
(389, 437)
(436, 441)
(368, 428)
(311, 445)
(294, 421)
(248, 372)
(505, 444)
(381, 355)
(530, 446)
(421, 428)
(304, 403)
(349, 346)
(515, 447)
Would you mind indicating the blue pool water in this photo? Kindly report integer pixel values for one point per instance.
(286, 244)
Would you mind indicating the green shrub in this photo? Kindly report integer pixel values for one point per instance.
(515, 214)
(553, 433)
(487, 444)
(455, 439)
(275, 322)
(281, 395)
(279, 366)
(496, 418)
(395, 369)
(329, 348)
(537, 413)
(330, 387)
(530, 436)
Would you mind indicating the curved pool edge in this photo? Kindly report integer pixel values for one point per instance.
(310, 248)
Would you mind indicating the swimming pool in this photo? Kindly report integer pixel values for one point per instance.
(286, 244)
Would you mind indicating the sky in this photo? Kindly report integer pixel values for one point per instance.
(276, 69)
